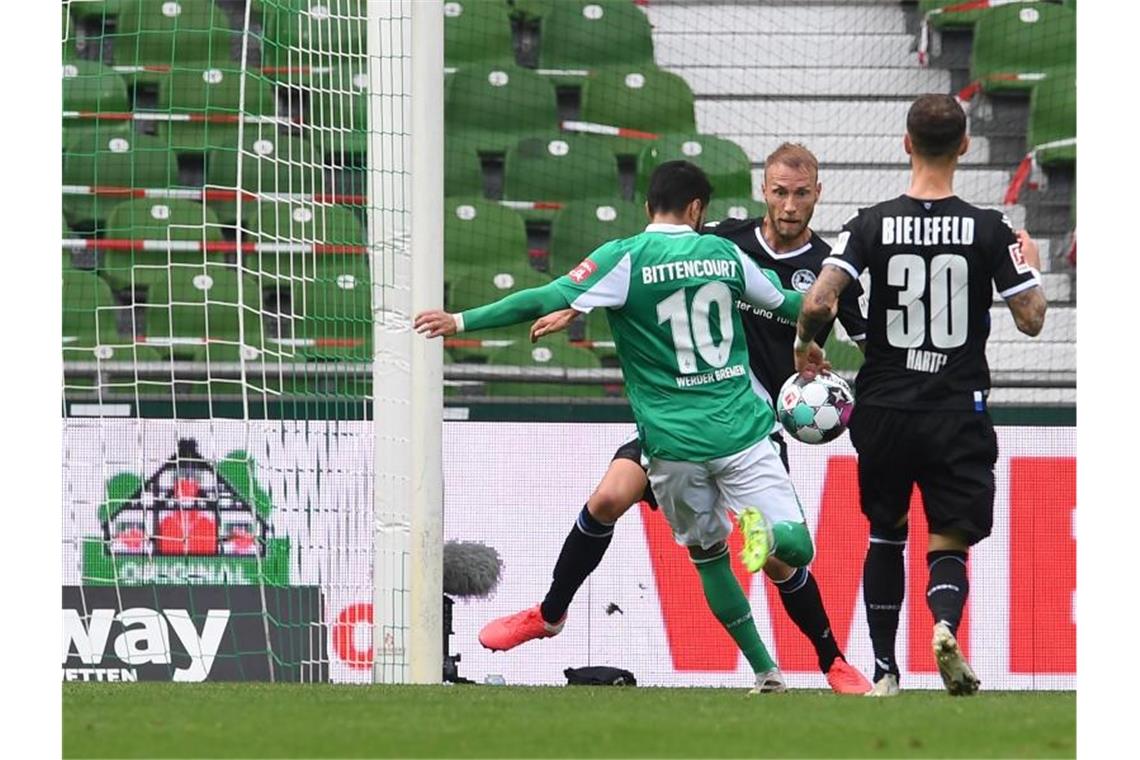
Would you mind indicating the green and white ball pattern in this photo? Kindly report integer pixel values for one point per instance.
(815, 411)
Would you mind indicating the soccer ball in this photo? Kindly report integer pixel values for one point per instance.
(815, 411)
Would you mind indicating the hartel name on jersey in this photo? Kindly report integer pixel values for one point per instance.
(680, 270)
(724, 373)
(928, 230)
(925, 361)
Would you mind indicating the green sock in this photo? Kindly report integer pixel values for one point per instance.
(793, 543)
(727, 601)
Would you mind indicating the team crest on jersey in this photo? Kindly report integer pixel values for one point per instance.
(803, 279)
(583, 271)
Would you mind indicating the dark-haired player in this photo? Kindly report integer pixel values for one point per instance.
(921, 418)
(783, 243)
(669, 296)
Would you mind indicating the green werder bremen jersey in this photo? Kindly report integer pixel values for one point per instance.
(670, 296)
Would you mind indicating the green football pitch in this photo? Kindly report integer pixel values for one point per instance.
(248, 720)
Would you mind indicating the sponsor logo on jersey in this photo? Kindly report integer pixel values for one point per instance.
(1018, 258)
(583, 271)
(803, 279)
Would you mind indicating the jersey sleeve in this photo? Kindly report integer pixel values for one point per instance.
(600, 280)
(850, 313)
(1012, 274)
(517, 307)
(762, 288)
(850, 248)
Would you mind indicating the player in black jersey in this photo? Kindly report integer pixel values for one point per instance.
(920, 417)
(783, 243)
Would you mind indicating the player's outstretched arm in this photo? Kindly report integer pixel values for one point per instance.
(518, 307)
(820, 307)
(1028, 307)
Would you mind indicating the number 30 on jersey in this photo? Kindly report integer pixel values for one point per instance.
(948, 280)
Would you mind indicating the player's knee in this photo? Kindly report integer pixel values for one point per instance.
(890, 534)
(950, 540)
(698, 554)
(793, 544)
(607, 505)
(799, 553)
(777, 569)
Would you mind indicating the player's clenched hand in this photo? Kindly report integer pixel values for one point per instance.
(1029, 249)
(435, 323)
(553, 322)
(812, 361)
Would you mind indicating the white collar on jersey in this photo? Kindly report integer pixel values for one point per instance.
(777, 256)
(671, 229)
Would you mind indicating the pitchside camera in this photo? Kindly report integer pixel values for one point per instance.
(470, 570)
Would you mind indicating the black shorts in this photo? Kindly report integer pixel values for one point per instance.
(950, 455)
(631, 450)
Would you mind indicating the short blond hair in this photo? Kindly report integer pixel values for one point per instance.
(793, 156)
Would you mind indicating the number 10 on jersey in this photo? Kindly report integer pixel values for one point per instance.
(691, 326)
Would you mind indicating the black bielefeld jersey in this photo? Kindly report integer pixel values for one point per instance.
(770, 337)
(931, 266)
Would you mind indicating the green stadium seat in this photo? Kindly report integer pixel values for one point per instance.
(477, 31)
(304, 33)
(271, 163)
(99, 9)
(214, 93)
(462, 167)
(478, 233)
(579, 34)
(1028, 40)
(954, 19)
(335, 107)
(327, 230)
(194, 313)
(131, 161)
(1053, 117)
(495, 106)
(92, 86)
(331, 312)
(469, 285)
(466, 287)
(725, 162)
(90, 315)
(582, 226)
(184, 34)
(559, 167)
(734, 208)
(531, 10)
(551, 352)
(178, 221)
(646, 99)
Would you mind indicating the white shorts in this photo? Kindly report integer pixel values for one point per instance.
(696, 497)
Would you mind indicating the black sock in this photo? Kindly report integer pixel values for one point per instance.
(884, 582)
(948, 586)
(799, 594)
(582, 550)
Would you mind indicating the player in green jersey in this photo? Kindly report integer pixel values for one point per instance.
(670, 297)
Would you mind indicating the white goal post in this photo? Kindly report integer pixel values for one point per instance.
(405, 171)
